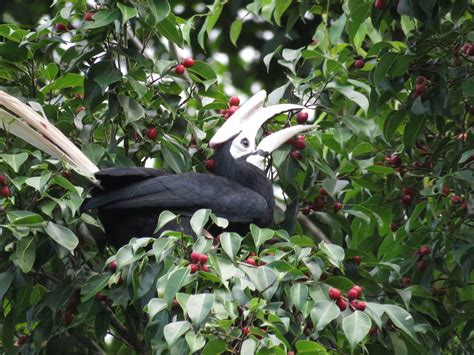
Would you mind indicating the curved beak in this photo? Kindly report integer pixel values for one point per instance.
(249, 118)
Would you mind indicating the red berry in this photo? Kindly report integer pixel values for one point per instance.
(2, 179)
(88, 16)
(180, 69)
(352, 294)
(61, 28)
(22, 339)
(204, 268)
(296, 155)
(203, 258)
(175, 303)
(5, 191)
(464, 205)
(334, 293)
(234, 101)
(194, 268)
(80, 108)
(406, 199)
(380, 4)
(462, 136)
(393, 227)
(360, 306)
(456, 199)
(373, 331)
(195, 257)
(152, 133)
(210, 164)
(290, 353)
(353, 303)
(318, 204)
(358, 289)
(230, 111)
(246, 330)
(359, 63)
(406, 281)
(251, 261)
(113, 266)
(357, 259)
(420, 79)
(420, 89)
(223, 112)
(408, 191)
(302, 117)
(395, 160)
(446, 190)
(323, 192)
(337, 207)
(306, 210)
(187, 62)
(424, 250)
(457, 61)
(252, 254)
(100, 296)
(421, 265)
(299, 143)
(342, 304)
(67, 174)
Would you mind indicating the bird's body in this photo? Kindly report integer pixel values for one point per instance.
(129, 200)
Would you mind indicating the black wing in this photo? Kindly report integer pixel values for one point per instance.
(114, 178)
(185, 193)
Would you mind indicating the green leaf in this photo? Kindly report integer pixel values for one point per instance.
(249, 346)
(102, 18)
(199, 220)
(299, 295)
(174, 283)
(26, 253)
(62, 235)
(195, 341)
(383, 66)
(356, 327)
(351, 94)
(260, 235)
(468, 86)
(199, 306)
(392, 122)
(6, 279)
(155, 306)
(231, 244)
(108, 76)
(164, 218)
(128, 12)
(202, 72)
(174, 331)
(133, 110)
(235, 30)
(412, 131)
(69, 80)
(280, 8)
(323, 313)
(334, 253)
(24, 218)
(93, 285)
(214, 347)
(93, 151)
(15, 161)
(310, 348)
(50, 71)
(402, 319)
(160, 9)
(168, 28)
(175, 155)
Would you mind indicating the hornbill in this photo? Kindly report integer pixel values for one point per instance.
(130, 199)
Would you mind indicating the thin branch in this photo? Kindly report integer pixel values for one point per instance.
(312, 228)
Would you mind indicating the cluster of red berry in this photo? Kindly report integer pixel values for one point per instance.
(185, 63)
(354, 293)
(4, 190)
(320, 202)
(234, 103)
(198, 262)
(422, 251)
(251, 260)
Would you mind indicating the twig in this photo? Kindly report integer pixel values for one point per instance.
(313, 229)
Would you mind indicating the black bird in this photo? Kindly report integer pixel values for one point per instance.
(129, 200)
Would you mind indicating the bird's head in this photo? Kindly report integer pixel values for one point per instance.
(241, 129)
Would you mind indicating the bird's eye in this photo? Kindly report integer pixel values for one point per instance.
(245, 142)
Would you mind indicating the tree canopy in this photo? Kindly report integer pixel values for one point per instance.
(373, 250)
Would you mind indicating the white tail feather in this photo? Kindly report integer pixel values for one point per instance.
(25, 123)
